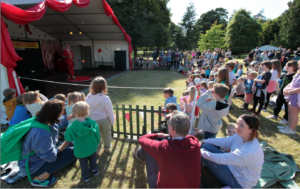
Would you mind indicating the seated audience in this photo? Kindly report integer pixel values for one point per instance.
(48, 159)
(21, 113)
(162, 156)
(242, 166)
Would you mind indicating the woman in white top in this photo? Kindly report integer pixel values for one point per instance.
(241, 167)
(273, 84)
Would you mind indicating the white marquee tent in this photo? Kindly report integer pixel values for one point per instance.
(97, 31)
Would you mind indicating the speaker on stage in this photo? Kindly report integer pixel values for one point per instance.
(120, 60)
(32, 67)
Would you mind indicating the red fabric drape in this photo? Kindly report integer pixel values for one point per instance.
(109, 12)
(9, 56)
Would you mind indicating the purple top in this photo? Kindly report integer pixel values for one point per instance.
(294, 97)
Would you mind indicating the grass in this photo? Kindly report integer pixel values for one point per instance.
(120, 170)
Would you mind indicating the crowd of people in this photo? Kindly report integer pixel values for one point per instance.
(82, 123)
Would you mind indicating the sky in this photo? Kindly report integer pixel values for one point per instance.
(273, 8)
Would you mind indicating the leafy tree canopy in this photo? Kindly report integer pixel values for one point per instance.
(289, 23)
(243, 32)
(207, 19)
(215, 37)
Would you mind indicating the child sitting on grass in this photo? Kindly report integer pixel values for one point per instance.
(33, 103)
(231, 130)
(9, 102)
(238, 91)
(61, 97)
(85, 135)
(213, 111)
(21, 113)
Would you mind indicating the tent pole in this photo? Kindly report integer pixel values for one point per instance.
(16, 82)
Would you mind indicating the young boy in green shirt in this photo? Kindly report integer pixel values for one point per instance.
(85, 135)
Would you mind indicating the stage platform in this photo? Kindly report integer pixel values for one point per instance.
(61, 76)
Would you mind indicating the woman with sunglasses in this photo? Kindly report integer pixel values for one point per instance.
(241, 167)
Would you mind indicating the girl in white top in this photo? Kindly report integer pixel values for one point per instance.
(241, 167)
(273, 84)
(101, 110)
(34, 101)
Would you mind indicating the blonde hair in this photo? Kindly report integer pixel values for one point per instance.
(211, 84)
(232, 126)
(98, 85)
(81, 109)
(75, 97)
(32, 97)
(192, 93)
(242, 78)
(253, 73)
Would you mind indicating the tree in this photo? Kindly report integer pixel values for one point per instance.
(146, 21)
(269, 29)
(190, 32)
(215, 37)
(289, 23)
(260, 17)
(207, 19)
(243, 32)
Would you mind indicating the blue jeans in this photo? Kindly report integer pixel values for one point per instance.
(86, 167)
(208, 135)
(63, 159)
(221, 172)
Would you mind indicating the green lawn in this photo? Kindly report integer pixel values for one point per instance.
(120, 170)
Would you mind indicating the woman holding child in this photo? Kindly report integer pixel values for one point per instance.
(241, 168)
(47, 158)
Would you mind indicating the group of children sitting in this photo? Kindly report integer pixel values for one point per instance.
(92, 112)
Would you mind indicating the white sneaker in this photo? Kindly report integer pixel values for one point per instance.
(283, 122)
(264, 109)
(287, 131)
(272, 117)
(282, 127)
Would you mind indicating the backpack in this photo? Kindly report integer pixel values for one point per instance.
(12, 142)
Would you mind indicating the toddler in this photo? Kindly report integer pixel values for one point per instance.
(231, 130)
(21, 113)
(101, 110)
(211, 77)
(33, 103)
(9, 102)
(84, 132)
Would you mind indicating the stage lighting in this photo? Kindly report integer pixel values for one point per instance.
(82, 61)
(80, 32)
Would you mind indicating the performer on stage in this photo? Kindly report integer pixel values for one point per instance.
(68, 55)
